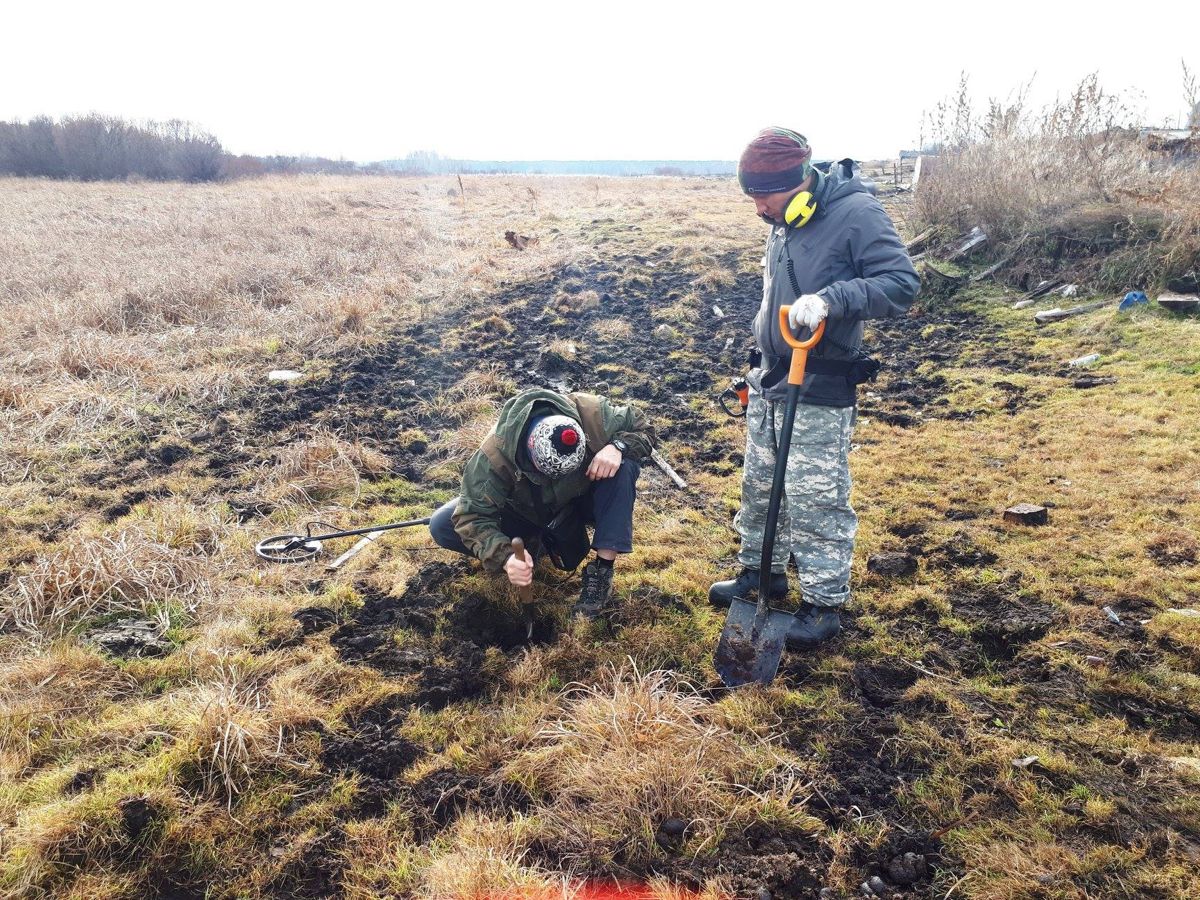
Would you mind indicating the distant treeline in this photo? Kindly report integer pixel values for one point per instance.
(428, 163)
(97, 148)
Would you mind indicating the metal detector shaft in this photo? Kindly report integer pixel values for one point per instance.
(371, 530)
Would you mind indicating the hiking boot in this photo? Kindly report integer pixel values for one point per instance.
(724, 593)
(813, 625)
(596, 591)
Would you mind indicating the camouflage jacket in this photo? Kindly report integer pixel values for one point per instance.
(499, 475)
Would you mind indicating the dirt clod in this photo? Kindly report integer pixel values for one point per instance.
(892, 565)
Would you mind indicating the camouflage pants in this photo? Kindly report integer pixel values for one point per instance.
(816, 522)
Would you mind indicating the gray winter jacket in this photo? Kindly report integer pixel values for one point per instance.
(850, 254)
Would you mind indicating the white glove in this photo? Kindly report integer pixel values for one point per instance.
(808, 311)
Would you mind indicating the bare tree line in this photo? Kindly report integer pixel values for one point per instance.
(95, 147)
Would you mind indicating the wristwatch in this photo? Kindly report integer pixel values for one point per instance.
(620, 445)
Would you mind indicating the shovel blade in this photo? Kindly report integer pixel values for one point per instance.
(744, 657)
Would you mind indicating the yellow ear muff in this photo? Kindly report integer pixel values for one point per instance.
(799, 210)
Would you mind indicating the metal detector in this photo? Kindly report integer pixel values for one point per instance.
(291, 548)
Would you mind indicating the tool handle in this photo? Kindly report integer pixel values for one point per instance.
(799, 348)
(518, 549)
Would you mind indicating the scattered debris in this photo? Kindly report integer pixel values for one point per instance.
(1132, 299)
(665, 332)
(917, 244)
(1027, 514)
(1091, 381)
(284, 375)
(1024, 762)
(1043, 288)
(1186, 763)
(1000, 263)
(1112, 616)
(1094, 661)
(1178, 302)
(1068, 290)
(1189, 613)
(976, 239)
(942, 282)
(131, 638)
(728, 343)
(1021, 304)
(362, 544)
(661, 462)
(717, 312)
(1053, 315)
(520, 241)
(892, 565)
(1085, 360)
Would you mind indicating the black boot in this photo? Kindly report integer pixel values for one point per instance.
(723, 593)
(596, 590)
(813, 625)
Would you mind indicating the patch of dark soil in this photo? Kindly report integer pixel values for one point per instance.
(456, 674)
(751, 867)
(905, 394)
(313, 619)
(1005, 621)
(960, 552)
(315, 872)
(440, 797)
(372, 748)
(907, 529)
(1171, 721)
(892, 564)
(168, 888)
(138, 815)
(480, 621)
(1177, 548)
(129, 500)
(883, 684)
(367, 637)
(81, 781)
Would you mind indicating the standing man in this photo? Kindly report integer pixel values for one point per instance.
(552, 465)
(833, 255)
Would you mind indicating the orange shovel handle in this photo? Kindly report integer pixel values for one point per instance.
(799, 348)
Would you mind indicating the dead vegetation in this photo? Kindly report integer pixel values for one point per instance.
(1074, 180)
(618, 759)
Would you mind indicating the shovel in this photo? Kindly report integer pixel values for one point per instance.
(752, 640)
(525, 592)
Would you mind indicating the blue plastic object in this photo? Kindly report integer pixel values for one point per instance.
(1132, 299)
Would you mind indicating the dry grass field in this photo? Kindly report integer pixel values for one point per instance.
(982, 728)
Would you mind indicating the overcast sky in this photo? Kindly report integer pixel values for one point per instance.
(562, 80)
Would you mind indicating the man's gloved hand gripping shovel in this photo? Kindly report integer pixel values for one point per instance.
(752, 641)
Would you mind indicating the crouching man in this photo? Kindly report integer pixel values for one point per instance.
(552, 465)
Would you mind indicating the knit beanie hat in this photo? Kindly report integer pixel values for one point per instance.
(556, 445)
(776, 160)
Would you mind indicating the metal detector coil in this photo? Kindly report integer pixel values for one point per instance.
(287, 548)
